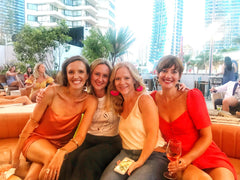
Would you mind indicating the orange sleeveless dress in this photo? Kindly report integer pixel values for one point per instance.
(56, 129)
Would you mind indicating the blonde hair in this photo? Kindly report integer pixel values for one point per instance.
(117, 101)
(36, 72)
(93, 65)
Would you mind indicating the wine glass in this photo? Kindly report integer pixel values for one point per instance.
(5, 88)
(5, 162)
(173, 151)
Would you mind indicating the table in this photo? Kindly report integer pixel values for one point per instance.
(225, 120)
(14, 114)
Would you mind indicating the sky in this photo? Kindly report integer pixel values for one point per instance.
(137, 14)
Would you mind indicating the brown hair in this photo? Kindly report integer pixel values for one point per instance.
(64, 81)
(168, 61)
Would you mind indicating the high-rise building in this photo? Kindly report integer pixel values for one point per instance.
(222, 18)
(166, 28)
(105, 14)
(11, 18)
(76, 13)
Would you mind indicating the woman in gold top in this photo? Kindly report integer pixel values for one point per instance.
(39, 80)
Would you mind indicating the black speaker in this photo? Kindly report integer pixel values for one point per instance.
(77, 35)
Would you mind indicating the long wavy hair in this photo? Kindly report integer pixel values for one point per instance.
(117, 101)
(36, 72)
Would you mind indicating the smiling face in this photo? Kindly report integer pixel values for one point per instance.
(100, 78)
(168, 77)
(124, 81)
(76, 74)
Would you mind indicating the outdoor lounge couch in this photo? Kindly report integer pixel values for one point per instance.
(227, 137)
(3, 81)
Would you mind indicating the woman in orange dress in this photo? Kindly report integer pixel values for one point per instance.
(48, 135)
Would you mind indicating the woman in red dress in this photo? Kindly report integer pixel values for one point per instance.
(183, 115)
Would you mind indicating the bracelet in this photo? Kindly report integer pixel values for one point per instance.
(66, 152)
(63, 149)
(75, 142)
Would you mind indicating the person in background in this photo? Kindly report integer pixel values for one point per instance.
(231, 96)
(138, 126)
(24, 100)
(12, 79)
(181, 118)
(228, 70)
(235, 66)
(28, 73)
(13, 99)
(102, 142)
(48, 135)
(39, 80)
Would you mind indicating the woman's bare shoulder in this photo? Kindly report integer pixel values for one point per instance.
(91, 98)
(50, 91)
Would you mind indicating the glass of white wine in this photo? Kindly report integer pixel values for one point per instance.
(5, 162)
(173, 151)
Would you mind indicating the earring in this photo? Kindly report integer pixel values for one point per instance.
(114, 93)
(140, 88)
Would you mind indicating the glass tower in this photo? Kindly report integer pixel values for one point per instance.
(12, 18)
(166, 28)
(222, 18)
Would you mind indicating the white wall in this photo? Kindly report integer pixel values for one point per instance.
(7, 54)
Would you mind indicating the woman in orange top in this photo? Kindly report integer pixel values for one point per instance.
(48, 135)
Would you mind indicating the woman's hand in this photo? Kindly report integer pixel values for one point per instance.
(181, 87)
(179, 165)
(15, 159)
(40, 95)
(134, 166)
(53, 169)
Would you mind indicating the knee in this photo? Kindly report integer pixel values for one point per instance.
(49, 154)
(194, 173)
(196, 176)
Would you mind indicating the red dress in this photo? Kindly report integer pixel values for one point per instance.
(186, 129)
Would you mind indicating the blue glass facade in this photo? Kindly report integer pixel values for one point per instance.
(224, 17)
(166, 28)
(12, 16)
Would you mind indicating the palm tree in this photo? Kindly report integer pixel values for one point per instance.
(120, 42)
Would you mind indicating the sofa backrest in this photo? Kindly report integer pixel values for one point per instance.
(13, 120)
(227, 137)
(11, 127)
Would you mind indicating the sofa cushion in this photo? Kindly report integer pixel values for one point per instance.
(11, 143)
(227, 137)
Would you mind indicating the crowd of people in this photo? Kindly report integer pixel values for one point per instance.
(98, 115)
